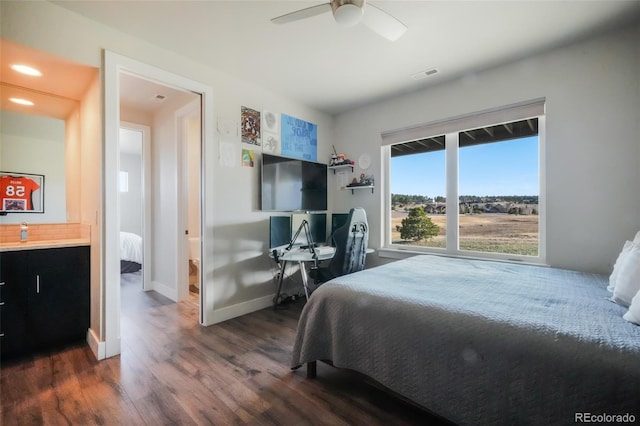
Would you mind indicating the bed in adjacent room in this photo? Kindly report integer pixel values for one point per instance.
(479, 342)
(130, 252)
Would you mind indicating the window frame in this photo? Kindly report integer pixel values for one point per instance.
(451, 128)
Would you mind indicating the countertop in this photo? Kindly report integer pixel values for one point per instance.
(43, 244)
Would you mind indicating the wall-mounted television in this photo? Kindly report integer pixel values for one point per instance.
(290, 184)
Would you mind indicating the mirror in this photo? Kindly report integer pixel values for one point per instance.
(31, 145)
(42, 139)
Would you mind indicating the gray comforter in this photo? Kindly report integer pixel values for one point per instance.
(480, 342)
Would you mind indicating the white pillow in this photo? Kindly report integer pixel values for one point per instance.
(636, 239)
(628, 278)
(616, 266)
(633, 314)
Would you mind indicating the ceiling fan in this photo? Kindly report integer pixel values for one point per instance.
(349, 13)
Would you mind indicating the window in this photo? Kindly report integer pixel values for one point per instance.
(472, 191)
(418, 180)
(124, 181)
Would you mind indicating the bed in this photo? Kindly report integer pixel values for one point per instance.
(479, 342)
(130, 252)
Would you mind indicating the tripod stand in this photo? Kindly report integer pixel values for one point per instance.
(311, 246)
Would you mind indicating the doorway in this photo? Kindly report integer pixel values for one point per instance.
(168, 242)
(134, 181)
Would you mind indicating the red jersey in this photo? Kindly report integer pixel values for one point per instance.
(16, 191)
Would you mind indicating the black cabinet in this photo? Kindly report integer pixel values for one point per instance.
(48, 304)
(13, 303)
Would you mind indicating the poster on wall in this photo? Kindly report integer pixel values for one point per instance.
(250, 125)
(270, 143)
(248, 157)
(21, 192)
(270, 132)
(299, 138)
(228, 154)
(270, 121)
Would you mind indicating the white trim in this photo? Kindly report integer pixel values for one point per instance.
(114, 64)
(542, 197)
(98, 348)
(515, 112)
(233, 311)
(181, 116)
(385, 213)
(452, 145)
(207, 225)
(165, 290)
(402, 253)
(110, 332)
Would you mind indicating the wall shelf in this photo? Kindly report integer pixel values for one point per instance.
(340, 167)
(353, 188)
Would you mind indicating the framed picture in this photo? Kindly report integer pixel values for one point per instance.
(250, 125)
(21, 193)
(298, 138)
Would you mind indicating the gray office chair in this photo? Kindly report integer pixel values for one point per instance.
(350, 241)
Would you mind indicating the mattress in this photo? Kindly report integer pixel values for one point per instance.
(479, 342)
(130, 247)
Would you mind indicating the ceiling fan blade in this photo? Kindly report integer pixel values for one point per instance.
(302, 14)
(382, 23)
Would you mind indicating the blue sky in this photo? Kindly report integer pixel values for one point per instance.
(499, 168)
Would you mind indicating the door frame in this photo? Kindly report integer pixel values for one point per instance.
(182, 115)
(109, 343)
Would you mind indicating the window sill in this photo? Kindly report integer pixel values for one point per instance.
(397, 253)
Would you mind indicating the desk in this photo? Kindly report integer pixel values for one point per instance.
(300, 255)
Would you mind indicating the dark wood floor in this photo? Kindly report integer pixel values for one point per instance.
(173, 371)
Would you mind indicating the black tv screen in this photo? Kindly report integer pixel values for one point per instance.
(289, 184)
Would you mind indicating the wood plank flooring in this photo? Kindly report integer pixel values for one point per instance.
(174, 372)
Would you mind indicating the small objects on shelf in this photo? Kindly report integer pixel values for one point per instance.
(365, 180)
(339, 159)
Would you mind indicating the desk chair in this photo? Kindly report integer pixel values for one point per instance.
(350, 241)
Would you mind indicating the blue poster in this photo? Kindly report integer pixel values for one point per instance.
(299, 138)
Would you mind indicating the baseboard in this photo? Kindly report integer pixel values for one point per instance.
(165, 290)
(98, 348)
(228, 312)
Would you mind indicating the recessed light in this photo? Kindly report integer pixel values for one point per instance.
(26, 70)
(21, 101)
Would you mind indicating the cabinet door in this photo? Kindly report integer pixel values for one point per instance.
(13, 303)
(58, 296)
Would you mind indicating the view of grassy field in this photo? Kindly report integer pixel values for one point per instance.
(485, 232)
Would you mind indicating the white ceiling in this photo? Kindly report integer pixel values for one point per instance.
(333, 68)
(148, 96)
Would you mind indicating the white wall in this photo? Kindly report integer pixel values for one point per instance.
(91, 195)
(193, 175)
(592, 93)
(164, 199)
(36, 145)
(238, 274)
(73, 164)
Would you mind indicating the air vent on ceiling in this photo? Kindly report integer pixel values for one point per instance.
(425, 74)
